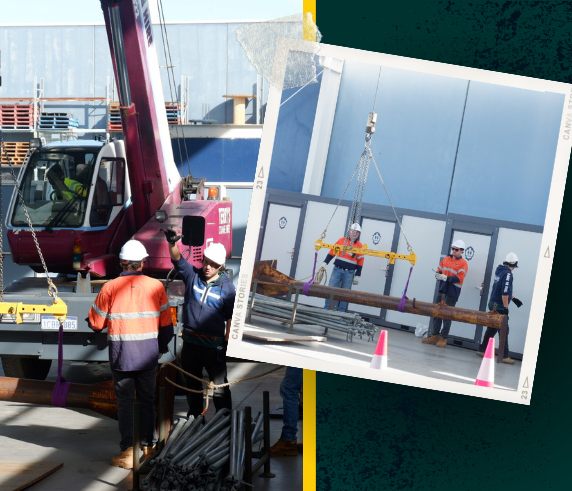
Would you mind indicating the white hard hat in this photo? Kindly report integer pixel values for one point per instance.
(511, 258)
(460, 244)
(216, 253)
(133, 250)
(355, 226)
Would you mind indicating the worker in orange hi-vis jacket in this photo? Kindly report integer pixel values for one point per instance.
(450, 274)
(134, 309)
(347, 267)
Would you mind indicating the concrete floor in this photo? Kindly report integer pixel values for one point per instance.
(85, 441)
(406, 353)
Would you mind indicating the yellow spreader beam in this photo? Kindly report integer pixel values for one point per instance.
(339, 249)
(59, 309)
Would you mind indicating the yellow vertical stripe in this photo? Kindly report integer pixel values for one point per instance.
(309, 30)
(309, 426)
(309, 430)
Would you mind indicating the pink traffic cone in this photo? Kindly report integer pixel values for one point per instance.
(486, 376)
(379, 359)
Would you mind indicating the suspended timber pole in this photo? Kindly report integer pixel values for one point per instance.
(272, 283)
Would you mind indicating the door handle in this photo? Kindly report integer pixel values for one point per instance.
(481, 289)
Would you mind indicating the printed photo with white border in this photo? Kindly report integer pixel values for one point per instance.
(403, 222)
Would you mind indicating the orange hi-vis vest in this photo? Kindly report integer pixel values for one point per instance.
(345, 259)
(135, 310)
(450, 266)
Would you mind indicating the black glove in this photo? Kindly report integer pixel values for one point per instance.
(517, 302)
(505, 311)
(171, 235)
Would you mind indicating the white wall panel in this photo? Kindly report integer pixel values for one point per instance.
(317, 217)
(426, 238)
(526, 245)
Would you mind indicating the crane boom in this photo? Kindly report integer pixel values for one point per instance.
(152, 170)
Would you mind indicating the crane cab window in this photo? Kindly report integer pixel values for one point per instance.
(109, 190)
(52, 191)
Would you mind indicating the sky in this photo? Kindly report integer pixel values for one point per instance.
(89, 11)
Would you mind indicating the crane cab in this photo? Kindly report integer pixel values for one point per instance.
(71, 190)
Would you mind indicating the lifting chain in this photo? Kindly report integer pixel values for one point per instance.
(362, 169)
(52, 289)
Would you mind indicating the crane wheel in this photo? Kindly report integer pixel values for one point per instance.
(30, 368)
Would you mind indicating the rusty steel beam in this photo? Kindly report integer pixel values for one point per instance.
(272, 283)
(99, 398)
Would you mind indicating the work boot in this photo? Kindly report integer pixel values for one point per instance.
(147, 452)
(508, 360)
(480, 353)
(123, 459)
(442, 343)
(431, 339)
(283, 447)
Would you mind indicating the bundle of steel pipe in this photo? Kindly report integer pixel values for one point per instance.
(351, 324)
(203, 456)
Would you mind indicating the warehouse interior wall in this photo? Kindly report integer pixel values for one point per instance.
(442, 145)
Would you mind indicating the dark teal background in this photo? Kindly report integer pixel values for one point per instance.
(373, 435)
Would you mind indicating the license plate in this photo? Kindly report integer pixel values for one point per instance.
(50, 323)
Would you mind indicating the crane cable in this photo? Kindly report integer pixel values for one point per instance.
(171, 78)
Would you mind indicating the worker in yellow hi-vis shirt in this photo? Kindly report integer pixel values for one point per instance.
(65, 187)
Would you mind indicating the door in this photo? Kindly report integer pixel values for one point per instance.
(319, 217)
(526, 245)
(476, 254)
(377, 235)
(280, 236)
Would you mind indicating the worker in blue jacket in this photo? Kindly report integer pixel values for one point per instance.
(501, 295)
(208, 306)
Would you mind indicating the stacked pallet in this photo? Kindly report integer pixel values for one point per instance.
(114, 122)
(18, 116)
(57, 121)
(173, 112)
(16, 152)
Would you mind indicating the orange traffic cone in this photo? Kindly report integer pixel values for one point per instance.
(486, 376)
(379, 359)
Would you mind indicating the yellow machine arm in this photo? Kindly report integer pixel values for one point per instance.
(339, 249)
(59, 309)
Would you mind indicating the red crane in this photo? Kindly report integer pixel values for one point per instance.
(85, 199)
